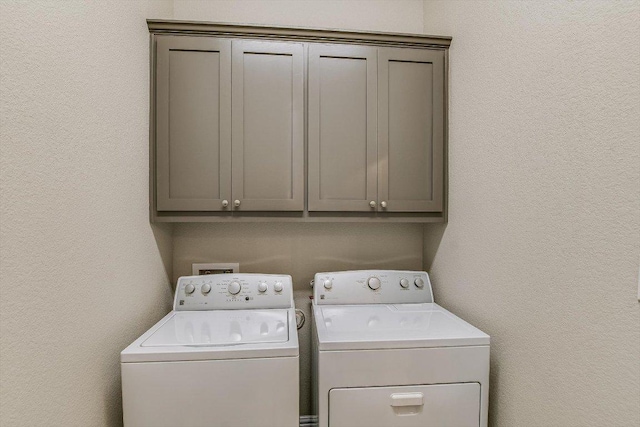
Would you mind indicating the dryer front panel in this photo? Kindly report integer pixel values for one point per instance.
(406, 406)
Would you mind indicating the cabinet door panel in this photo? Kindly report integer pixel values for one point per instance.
(193, 117)
(411, 129)
(268, 126)
(342, 128)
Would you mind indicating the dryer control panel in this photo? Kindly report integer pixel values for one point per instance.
(233, 291)
(372, 287)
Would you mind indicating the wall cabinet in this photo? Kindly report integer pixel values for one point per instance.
(376, 129)
(229, 125)
(193, 123)
(257, 123)
(342, 127)
(410, 130)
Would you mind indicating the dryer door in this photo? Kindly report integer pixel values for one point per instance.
(407, 406)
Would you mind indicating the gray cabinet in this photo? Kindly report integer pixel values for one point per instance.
(376, 129)
(258, 123)
(193, 123)
(268, 126)
(229, 125)
(342, 127)
(410, 130)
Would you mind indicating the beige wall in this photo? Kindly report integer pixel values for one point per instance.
(541, 250)
(300, 250)
(378, 15)
(81, 268)
(542, 246)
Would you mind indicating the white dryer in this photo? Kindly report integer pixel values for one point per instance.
(226, 355)
(386, 355)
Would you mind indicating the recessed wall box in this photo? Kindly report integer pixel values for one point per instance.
(199, 269)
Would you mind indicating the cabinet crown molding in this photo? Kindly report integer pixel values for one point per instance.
(163, 26)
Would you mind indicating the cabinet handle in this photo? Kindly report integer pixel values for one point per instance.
(236, 203)
(225, 203)
(383, 204)
(372, 204)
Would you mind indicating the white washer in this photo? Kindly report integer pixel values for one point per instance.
(226, 355)
(386, 355)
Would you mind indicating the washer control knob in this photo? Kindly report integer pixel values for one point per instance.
(277, 287)
(189, 289)
(206, 288)
(419, 283)
(404, 283)
(374, 283)
(234, 288)
(262, 287)
(328, 284)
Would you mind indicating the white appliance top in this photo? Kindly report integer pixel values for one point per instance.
(385, 309)
(226, 316)
(386, 326)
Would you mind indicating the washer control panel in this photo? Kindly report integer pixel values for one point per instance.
(233, 291)
(372, 287)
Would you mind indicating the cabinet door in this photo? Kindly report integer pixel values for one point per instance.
(193, 123)
(410, 129)
(342, 128)
(268, 126)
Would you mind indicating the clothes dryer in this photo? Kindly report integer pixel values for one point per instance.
(385, 354)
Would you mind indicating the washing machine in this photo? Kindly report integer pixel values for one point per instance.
(226, 355)
(385, 354)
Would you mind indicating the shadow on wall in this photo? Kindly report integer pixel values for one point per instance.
(163, 233)
(432, 237)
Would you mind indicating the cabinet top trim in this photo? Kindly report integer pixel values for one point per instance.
(161, 26)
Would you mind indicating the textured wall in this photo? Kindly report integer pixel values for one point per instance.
(300, 250)
(378, 15)
(81, 268)
(542, 246)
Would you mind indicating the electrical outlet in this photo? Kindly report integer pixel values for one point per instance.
(199, 269)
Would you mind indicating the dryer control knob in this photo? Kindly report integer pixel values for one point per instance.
(262, 287)
(419, 283)
(189, 289)
(205, 289)
(404, 283)
(328, 284)
(277, 287)
(374, 283)
(234, 288)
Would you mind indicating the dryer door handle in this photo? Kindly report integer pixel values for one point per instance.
(407, 399)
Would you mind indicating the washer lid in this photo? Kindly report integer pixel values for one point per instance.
(217, 335)
(384, 326)
(221, 328)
